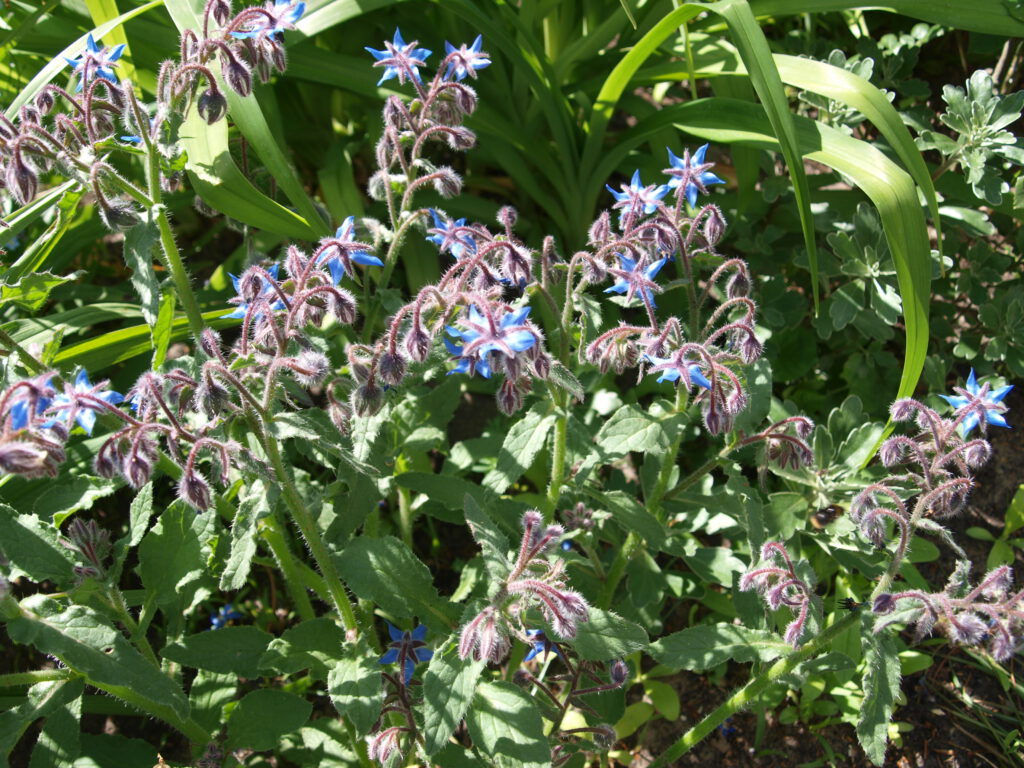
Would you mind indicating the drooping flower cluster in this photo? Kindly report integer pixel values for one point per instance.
(534, 582)
(776, 580)
(991, 613)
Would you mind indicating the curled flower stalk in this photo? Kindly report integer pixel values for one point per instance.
(776, 580)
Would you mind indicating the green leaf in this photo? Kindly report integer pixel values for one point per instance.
(632, 429)
(59, 741)
(235, 650)
(354, 685)
(315, 645)
(32, 291)
(315, 426)
(446, 489)
(606, 635)
(708, 645)
(253, 505)
(387, 573)
(448, 686)
(70, 497)
(163, 330)
(631, 515)
(87, 643)
(170, 557)
(492, 542)
(506, 726)
(31, 547)
(262, 717)
(522, 443)
(139, 242)
(881, 687)
(209, 693)
(42, 700)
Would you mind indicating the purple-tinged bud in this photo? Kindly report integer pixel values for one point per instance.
(209, 342)
(417, 343)
(367, 399)
(377, 185)
(465, 99)
(804, 427)
(738, 285)
(45, 101)
(509, 398)
(27, 460)
(977, 453)
(531, 519)
(794, 631)
(212, 106)
(619, 672)
(460, 139)
(392, 368)
(137, 468)
(891, 453)
(542, 366)
(714, 228)
(884, 603)
(172, 182)
(507, 216)
(104, 466)
(220, 10)
(311, 367)
(903, 410)
(89, 540)
(594, 271)
(343, 305)
(521, 677)
(967, 628)
(250, 285)
(393, 116)
(237, 76)
(997, 582)
(604, 737)
(211, 397)
(340, 415)
(717, 418)
(118, 215)
(385, 745)
(21, 180)
(1004, 645)
(736, 401)
(447, 182)
(750, 348)
(194, 490)
(278, 57)
(600, 230)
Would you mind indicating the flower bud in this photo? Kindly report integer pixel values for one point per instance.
(25, 459)
(619, 672)
(343, 305)
(209, 342)
(884, 603)
(509, 397)
(461, 139)
(542, 366)
(212, 105)
(507, 216)
(44, 101)
(250, 285)
(194, 490)
(600, 230)
(21, 180)
(392, 368)
(594, 271)
(902, 410)
(220, 10)
(891, 453)
(137, 468)
(465, 98)
(714, 228)
(738, 285)
(447, 182)
(118, 215)
(604, 737)
(977, 453)
(417, 343)
(104, 466)
(237, 76)
(367, 399)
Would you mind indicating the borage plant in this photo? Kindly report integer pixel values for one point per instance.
(329, 417)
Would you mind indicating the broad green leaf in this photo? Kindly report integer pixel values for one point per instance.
(506, 727)
(31, 547)
(493, 543)
(234, 650)
(87, 643)
(262, 717)
(631, 515)
(209, 693)
(170, 557)
(139, 513)
(355, 687)
(42, 700)
(446, 489)
(70, 497)
(522, 443)
(59, 740)
(32, 291)
(163, 330)
(315, 426)
(632, 429)
(386, 572)
(314, 645)
(881, 687)
(448, 686)
(606, 635)
(708, 645)
(253, 504)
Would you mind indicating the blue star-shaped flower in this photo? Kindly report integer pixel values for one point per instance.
(265, 293)
(21, 411)
(482, 336)
(980, 401)
(285, 13)
(339, 258)
(672, 369)
(633, 280)
(79, 401)
(691, 173)
(446, 236)
(540, 643)
(464, 61)
(221, 618)
(95, 62)
(400, 59)
(407, 649)
(636, 197)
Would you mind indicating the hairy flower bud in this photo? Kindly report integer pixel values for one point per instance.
(194, 490)
(137, 468)
(902, 410)
(26, 459)
(209, 342)
(507, 216)
(884, 603)
(118, 215)
(509, 398)
(367, 399)
(45, 101)
(21, 179)
(220, 10)
(392, 368)
(600, 230)
(891, 452)
(619, 672)
(977, 453)
(237, 76)
(417, 343)
(714, 228)
(447, 182)
(212, 105)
